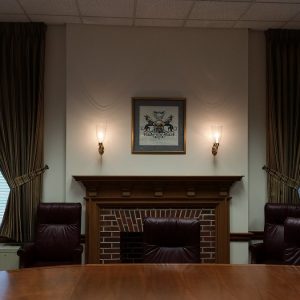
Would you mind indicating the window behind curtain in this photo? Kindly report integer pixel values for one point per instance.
(4, 191)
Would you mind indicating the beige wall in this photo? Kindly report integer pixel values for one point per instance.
(257, 129)
(106, 66)
(55, 115)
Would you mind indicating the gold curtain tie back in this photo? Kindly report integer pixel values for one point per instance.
(20, 180)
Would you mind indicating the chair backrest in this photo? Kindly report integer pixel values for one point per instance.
(275, 216)
(170, 240)
(292, 241)
(58, 230)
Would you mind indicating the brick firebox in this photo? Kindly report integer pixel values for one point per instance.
(116, 204)
(114, 221)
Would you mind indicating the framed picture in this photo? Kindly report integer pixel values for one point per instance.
(158, 125)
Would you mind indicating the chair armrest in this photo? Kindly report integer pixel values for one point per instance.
(77, 253)
(258, 254)
(291, 254)
(292, 231)
(26, 253)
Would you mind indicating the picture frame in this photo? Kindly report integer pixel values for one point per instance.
(158, 125)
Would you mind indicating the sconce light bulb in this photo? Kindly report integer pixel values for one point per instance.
(216, 135)
(100, 136)
(100, 133)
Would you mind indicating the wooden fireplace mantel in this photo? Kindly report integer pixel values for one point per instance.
(161, 192)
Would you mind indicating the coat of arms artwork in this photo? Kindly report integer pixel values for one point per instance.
(158, 125)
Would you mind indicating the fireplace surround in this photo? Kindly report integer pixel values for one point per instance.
(117, 204)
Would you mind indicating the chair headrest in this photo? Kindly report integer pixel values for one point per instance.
(59, 213)
(276, 213)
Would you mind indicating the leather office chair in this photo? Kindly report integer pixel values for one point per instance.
(291, 253)
(168, 240)
(57, 237)
(271, 251)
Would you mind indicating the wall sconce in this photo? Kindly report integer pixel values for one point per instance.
(216, 131)
(101, 132)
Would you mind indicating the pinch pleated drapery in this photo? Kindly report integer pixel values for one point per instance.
(283, 112)
(22, 59)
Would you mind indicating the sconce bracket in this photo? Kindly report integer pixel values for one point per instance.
(214, 149)
(101, 148)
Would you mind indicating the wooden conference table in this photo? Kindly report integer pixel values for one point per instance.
(151, 281)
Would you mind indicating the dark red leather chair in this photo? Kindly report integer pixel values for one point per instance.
(271, 251)
(57, 237)
(169, 240)
(291, 253)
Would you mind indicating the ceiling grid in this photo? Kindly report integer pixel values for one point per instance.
(253, 14)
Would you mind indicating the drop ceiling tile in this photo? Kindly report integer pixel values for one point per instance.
(292, 25)
(158, 23)
(158, 9)
(13, 18)
(108, 21)
(213, 10)
(259, 25)
(271, 12)
(10, 7)
(55, 19)
(107, 8)
(209, 24)
(50, 7)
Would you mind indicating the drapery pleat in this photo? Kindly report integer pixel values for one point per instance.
(283, 112)
(22, 56)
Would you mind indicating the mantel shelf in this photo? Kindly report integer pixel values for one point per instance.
(156, 186)
(95, 178)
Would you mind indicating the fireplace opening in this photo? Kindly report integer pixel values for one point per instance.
(131, 247)
(121, 232)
